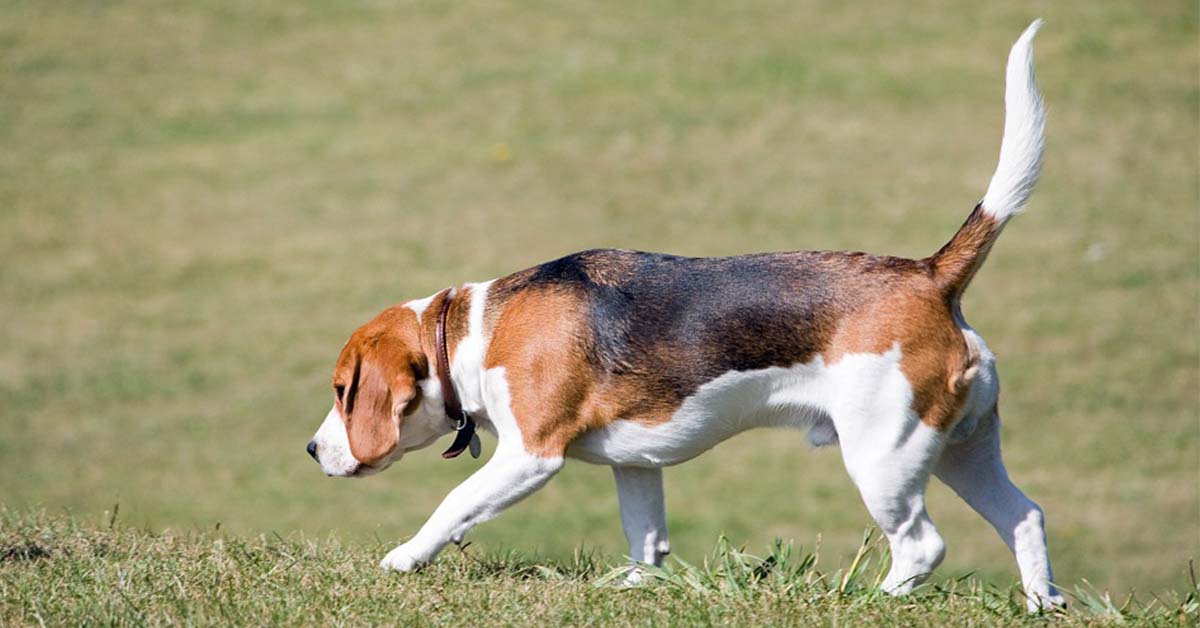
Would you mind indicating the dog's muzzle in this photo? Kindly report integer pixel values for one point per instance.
(331, 449)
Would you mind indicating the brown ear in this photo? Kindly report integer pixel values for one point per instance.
(373, 408)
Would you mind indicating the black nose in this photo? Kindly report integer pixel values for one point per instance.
(312, 449)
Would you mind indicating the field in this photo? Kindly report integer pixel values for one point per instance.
(105, 573)
(200, 201)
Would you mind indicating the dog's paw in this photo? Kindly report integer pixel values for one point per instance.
(1045, 602)
(634, 578)
(402, 560)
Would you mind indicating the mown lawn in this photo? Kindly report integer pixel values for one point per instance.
(55, 570)
(200, 201)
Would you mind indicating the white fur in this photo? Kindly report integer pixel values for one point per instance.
(418, 306)
(643, 516)
(976, 472)
(1024, 140)
(333, 447)
(466, 369)
(799, 396)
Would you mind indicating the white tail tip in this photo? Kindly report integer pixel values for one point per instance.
(1024, 133)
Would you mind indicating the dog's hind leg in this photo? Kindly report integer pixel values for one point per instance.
(643, 515)
(975, 470)
(891, 472)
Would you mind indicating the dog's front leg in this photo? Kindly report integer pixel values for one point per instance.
(643, 516)
(506, 479)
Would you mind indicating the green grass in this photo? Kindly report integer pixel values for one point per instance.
(61, 571)
(200, 201)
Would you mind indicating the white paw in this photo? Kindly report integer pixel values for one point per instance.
(401, 559)
(1045, 601)
(635, 578)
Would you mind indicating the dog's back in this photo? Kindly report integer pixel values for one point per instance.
(657, 327)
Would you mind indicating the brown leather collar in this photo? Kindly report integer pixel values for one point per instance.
(462, 423)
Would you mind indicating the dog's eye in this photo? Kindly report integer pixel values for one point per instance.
(339, 390)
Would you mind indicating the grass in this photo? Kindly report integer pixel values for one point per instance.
(199, 201)
(55, 569)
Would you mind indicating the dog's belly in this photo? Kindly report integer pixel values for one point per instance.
(723, 407)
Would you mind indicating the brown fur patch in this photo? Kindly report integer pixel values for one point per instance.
(458, 321)
(538, 340)
(956, 263)
(934, 355)
(376, 374)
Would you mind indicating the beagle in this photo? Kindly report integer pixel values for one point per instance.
(640, 361)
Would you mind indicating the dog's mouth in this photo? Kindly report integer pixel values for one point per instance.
(352, 468)
(363, 470)
(358, 471)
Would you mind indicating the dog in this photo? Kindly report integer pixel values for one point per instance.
(641, 361)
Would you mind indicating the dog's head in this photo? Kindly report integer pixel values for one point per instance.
(380, 388)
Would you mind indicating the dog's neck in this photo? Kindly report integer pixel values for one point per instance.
(460, 421)
(463, 346)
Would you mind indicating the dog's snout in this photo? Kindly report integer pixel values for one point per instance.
(312, 449)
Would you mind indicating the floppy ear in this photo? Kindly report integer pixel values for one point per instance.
(373, 409)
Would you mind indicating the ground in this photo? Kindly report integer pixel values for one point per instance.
(199, 202)
(61, 571)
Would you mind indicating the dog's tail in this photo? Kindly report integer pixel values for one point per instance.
(1016, 174)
